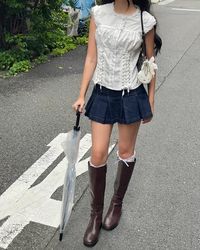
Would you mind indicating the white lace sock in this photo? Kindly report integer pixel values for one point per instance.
(129, 159)
(99, 166)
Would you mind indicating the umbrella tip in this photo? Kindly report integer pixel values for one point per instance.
(61, 236)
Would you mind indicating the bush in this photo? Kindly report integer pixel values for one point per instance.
(40, 29)
(40, 59)
(6, 60)
(18, 45)
(81, 40)
(22, 66)
(62, 45)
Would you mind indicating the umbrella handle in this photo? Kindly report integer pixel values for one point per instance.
(78, 114)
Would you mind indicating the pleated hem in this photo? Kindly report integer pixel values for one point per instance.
(130, 108)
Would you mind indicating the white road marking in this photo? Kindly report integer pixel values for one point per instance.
(194, 10)
(11, 228)
(24, 204)
(165, 2)
(17, 189)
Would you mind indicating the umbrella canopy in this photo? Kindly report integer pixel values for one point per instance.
(71, 147)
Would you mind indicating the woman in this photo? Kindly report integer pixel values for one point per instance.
(115, 38)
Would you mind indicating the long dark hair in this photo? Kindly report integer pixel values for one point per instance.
(144, 5)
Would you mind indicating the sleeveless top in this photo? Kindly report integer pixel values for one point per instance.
(118, 39)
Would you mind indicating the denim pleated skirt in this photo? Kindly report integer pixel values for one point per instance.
(109, 106)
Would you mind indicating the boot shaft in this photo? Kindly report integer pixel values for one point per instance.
(122, 179)
(97, 184)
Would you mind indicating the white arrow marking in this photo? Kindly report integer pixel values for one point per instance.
(24, 205)
(16, 190)
(11, 228)
(192, 10)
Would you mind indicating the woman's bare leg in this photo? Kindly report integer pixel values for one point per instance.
(100, 142)
(127, 139)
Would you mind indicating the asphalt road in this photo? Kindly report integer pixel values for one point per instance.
(161, 207)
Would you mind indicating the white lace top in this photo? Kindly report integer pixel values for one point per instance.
(118, 39)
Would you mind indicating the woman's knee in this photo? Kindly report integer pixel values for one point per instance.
(98, 157)
(125, 152)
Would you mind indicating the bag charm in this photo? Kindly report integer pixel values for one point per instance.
(147, 71)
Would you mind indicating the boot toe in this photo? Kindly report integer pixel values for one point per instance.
(90, 240)
(109, 226)
(112, 219)
(90, 243)
(91, 235)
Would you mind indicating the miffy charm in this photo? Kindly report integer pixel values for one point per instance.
(147, 71)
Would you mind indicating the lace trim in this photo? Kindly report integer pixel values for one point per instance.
(130, 159)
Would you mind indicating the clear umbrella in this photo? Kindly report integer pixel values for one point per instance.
(71, 147)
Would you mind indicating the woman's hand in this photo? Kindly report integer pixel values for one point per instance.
(151, 101)
(147, 120)
(79, 104)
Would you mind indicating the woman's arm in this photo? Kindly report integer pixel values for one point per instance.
(150, 52)
(89, 66)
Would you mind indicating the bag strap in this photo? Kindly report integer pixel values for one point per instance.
(143, 35)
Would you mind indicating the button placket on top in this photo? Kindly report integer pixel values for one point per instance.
(121, 27)
(123, 24)
(125, 61)
(126, 72)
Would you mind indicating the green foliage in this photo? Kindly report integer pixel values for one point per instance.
(99, 2)
(40, 59)
(6, 60)
(59, 51)
(18, 46)
(81, 40)
(65, 44)
(15, 5)
(62, 44)
(30, 30)
(21, 66)
(62, 51)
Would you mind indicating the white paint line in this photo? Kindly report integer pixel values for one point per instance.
(165, 2)
(17, 189)
(193, 10)
(11, 228)
(10, 201)
(57, 140)
(28, 203)
(48, 213)
(24, 205)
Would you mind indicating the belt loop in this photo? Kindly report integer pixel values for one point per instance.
(100, 88)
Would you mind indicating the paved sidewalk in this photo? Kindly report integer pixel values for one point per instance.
(161, 209)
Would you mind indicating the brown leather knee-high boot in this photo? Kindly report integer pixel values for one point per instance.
(97, 183)
(123, 177)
